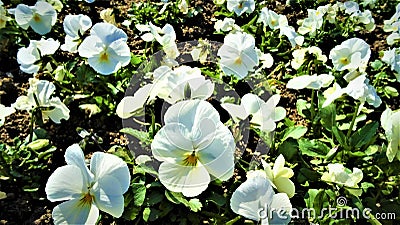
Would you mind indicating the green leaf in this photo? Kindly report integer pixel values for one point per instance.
(136, 60)
(177, 198)
(146, 214)
(364, 135)
(195, 205)
(340, 137)
(141, 135)
(302, 105)
(289, 149)
(377, 64)
(307, 175)
(154, 197)
(218, 199)
(309, 197)
(294, 132)
(139, 190)
(391, 91)
(313, 148)
(328, 116)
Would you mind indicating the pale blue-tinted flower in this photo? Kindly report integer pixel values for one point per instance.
(89, 1)
(87, 191)
(43, 90)
(106, 48)
(390, 121)
(41, 17)
(240, 6)
(238, 54)
(256, 200)
(192, 145)
(28, 57)
(74, 27)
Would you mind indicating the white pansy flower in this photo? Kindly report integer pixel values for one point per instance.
(74, 26)
(299, 56)
(360, 90)
(293, 37)
(350, 7)
(272, 19)
(106, 48)
(40, 95)
(351, 54)
(165, 36)
(192, 145)
(390, 121)
(240, 6)
(28, 57)
(181, 83)
(238, 54)
(88, 191)
(392, 58)
(4, 112)
(315, 81)
(279, 176)
(332, 93)
(392, 25)
(41, 17)
(264, 114)
(338, 174)
(256, 200)
(312, 23)
(227, 24)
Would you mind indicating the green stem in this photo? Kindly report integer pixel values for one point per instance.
(32, 121)
(353, 121)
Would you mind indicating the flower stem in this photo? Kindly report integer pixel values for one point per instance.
(353, 120)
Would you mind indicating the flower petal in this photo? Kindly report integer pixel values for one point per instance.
(130, 105)
(218, 156)
(236, 111)
(59, 112)
(108, 196)
(191, 181)
(73, 212)
(250, 197)
(171, 143)
(74, 156)
(285, 185)
(103, 164)
(108, 33)
(66, 182)
(90, 47)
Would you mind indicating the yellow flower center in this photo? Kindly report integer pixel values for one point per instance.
(87, 199)
(36, 18)
(191, 160)
(104, 57)
(238, 60)
(344, 61)
(273, 22)
(240, 5)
